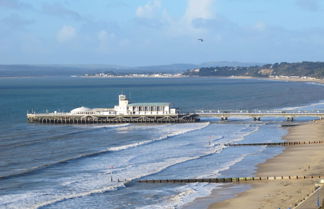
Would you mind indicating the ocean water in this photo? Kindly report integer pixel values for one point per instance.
(97, 166)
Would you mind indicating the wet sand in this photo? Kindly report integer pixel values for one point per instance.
(301, 160)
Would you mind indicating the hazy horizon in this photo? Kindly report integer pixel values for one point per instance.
(134, 66)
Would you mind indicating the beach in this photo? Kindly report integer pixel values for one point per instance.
(301, 160)
(282, 78)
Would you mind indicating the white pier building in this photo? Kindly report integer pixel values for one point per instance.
(124, 107)
(124, 112)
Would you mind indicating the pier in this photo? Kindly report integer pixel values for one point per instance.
(124, 112)
(257, 115)
(157, 112)
(86, 117)
(67, 118)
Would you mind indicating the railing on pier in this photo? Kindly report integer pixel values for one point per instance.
(257, 114)
(259, 111)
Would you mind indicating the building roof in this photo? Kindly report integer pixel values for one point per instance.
(103, 109)
(150, 104)
(80, 109)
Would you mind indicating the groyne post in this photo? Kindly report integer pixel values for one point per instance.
(231, 179)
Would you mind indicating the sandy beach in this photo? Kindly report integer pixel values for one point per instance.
(315, 80)
(303, 160)
(290, 79)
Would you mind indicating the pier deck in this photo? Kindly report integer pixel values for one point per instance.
(65, 118)
(68, 118)
(225, 115)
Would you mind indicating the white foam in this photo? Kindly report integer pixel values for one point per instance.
(117, 148)
(85, 184)
(81, 184)
(193, 191)
(136, 144)
(98, 126)
(239, 136)
(319, 104)
(76, 195)
(88, 182)
(190, 192)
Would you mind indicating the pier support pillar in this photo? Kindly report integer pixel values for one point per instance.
(290, 119)
(224, 118)
(256, 118)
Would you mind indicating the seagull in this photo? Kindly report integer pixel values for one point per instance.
(200, 39)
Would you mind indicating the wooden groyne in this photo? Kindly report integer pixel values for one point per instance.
(277, 143)
(228, 180)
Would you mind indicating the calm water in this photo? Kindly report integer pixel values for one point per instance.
(70, 166)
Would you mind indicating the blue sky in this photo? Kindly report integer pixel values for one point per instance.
(153, 32)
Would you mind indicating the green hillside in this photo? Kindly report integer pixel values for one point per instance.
(302, 69)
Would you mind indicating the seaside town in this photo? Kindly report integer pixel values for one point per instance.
(133, 75)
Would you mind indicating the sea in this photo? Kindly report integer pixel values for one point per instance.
(98, 166)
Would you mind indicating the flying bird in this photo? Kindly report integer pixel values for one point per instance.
(200, 39)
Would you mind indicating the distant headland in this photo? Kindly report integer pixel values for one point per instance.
(302, 71)
(299, 71)
(283, 69)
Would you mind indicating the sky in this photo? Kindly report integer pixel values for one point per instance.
(157, 32)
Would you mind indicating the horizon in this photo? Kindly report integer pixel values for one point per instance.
(236, 63)
(159, 32)
(135, 66)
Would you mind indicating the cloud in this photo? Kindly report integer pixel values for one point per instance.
(260, 26)
(310, 5)
(14, 4)
(59, 10)
(198, 10)
(104, 38)
(148, 10)
(197, 19)
(192, 22)
(152, 15)
(66, 33)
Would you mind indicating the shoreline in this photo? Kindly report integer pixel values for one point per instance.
(288, 79)
(294, 160)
